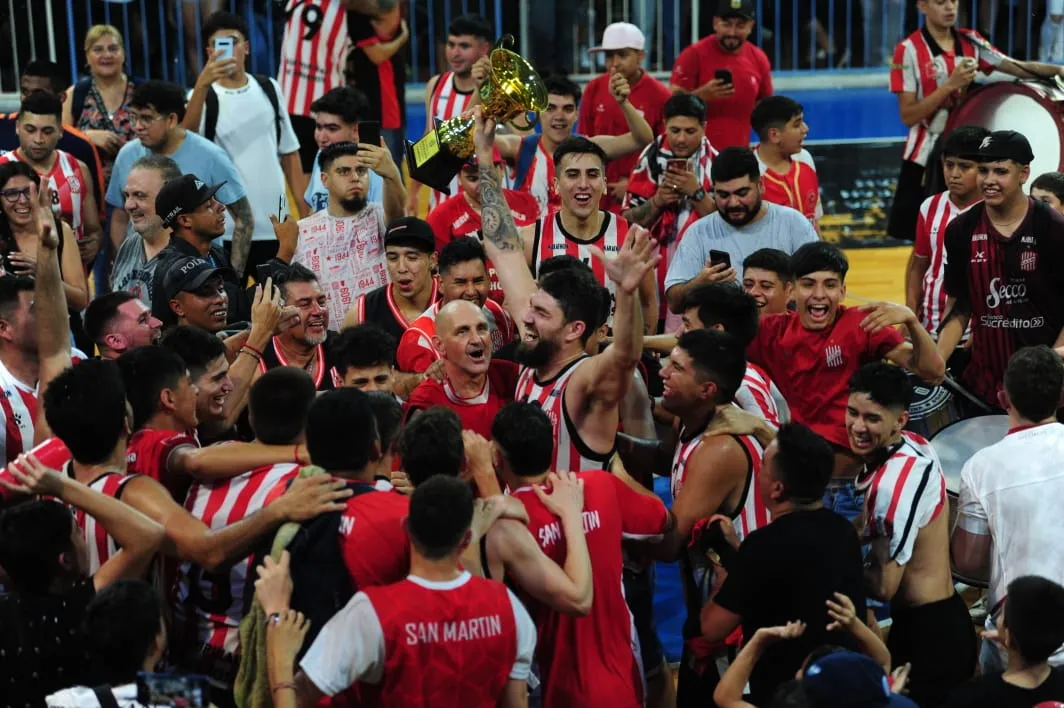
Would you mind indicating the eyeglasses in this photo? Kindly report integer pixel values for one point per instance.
(13, 195)
(142, 119)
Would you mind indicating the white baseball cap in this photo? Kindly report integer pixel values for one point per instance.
(621, 35)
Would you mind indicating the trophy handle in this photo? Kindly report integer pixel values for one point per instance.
(529, 122)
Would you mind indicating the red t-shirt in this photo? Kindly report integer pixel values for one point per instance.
(812, 369)
(149, 451)
(478, 412)
(373, 542)
(600, 115)
(585, 661)
(727, 120)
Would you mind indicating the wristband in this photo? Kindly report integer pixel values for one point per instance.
(250, 351)
(274, 618)
(281, 685)
(253, 350)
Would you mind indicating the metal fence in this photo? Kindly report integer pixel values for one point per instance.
(801, 36)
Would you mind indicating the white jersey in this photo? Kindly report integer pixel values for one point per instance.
(313, 51)
(445, 103)
(758, 395)
(347, 255)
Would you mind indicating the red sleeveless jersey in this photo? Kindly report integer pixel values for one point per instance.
(100, 545)
(149, 451)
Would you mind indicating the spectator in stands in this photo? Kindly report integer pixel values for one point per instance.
(727, 72)
(1049, 188)
(624, 48)
(335, 120)
(194, 292)
(133, 270)
(119, 322)
(242, 114)
(364, 355)
(158, 107)
(379, 67)
(788, 174)
(742, 224)
(768, 277)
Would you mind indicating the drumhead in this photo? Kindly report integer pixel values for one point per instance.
(927, 399)
(957, 442)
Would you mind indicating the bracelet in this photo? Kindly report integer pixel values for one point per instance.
(274, 618)
(281, 685)
(250, 351)
(256, 352)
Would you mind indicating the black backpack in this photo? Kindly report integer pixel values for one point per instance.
(81, 92)
(210, 122)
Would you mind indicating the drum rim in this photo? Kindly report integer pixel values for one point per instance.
(962, 420)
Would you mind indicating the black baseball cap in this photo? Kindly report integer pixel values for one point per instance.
(412, 232)
(1006, 145)
(736, 8)
(181, 196)
(186, 275)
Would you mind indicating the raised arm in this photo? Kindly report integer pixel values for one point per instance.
(639, 134)
(379, 159)
(921, 354)
(244, 225)
(50, 309)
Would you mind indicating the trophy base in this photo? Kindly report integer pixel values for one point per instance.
(431, 162)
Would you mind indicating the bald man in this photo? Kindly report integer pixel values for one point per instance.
(474, 387)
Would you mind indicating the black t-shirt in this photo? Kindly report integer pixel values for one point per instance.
(383, 84)
(42, 645)
(990, 691)
(786, 571)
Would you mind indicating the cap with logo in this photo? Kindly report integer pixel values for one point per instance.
(736, 8)
(621, 35)
(187, 275)
(182, 196)
(1006, 145)
(411, 232)
(846, 679)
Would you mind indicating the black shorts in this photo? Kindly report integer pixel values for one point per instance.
(303, 126)
(939, 640)
(908, 196)
(639, 593)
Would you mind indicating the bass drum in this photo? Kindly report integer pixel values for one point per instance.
(955, 444)
(932, 408)
(1034, 109)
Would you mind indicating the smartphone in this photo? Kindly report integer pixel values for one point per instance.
(178, 690)
(369, 132)
(716, 257)
(723, 75)
(224, 45)
(677, 164)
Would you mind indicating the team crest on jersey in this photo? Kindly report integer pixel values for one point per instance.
(833, 356)
(1028, 261)
(75, 186)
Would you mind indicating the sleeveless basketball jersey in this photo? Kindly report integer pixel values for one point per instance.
(447, 102)
(325, 377)
(314, 48)
(68, 188)
(18, 410)
(539, 181)
(379, 307)
(552, 240)
(100, 545)
(570, 452)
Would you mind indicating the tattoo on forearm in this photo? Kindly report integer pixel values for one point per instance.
(244, 223)
(495, 217)
(641, 213)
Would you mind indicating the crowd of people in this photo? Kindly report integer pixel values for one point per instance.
(274, 439)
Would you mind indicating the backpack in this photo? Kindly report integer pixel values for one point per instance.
(210, 121)
(81, 92)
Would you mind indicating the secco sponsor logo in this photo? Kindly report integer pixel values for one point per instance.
(1005, 294)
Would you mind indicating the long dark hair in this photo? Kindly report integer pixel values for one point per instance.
(8, 171)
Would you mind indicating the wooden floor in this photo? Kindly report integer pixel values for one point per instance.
(876, 274)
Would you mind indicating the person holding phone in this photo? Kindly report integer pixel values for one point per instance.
(727, 72)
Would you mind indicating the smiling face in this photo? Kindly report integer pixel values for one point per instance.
(871, 426)
(1002, 181)
(310, 300)
(185, 402)
(818, 296)
(409, 269)
(559, 117)
(769, 292)
(106, 56)
(683, 388)
(463, 51)
(684, 134)
(580, 182)
(133, 327)
(15, 195)
(463, 337)
(466, 281)
(732, 32)
(142, 186)
(38, 135)
(546, 331)
(206, 307)
(213, 388)
(738, 200)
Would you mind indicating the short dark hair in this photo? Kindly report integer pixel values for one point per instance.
(331, 153)
(295, 273)
(578, 145)
(556, 263)
(524, 434)
(32, 537)
(470, 25)
(362, 346)
(441, 510)
(388, 413)
(278, 403)
(717, 356)
(431, 443)
(1052, 182)
(460, 250)
(102, 311)
(726, 305)
(964, 141)
(164, 96)
(196, 347)
(605, 305)
(1034, 380)
(559, 85)
(165, 166)
(341, 430)
(85, 407)
(685, 104)
(222, 20)
(42, 103)
(10, 287)
(45, 69)
(773, 260)
(346, 102)
(146, 373)
(774, 112)
(1034, 616)
(885, 384)
(121, 624)
(819, 256)
(734, 162)
(804, 462)
(577, 294)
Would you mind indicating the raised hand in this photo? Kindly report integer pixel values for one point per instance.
(771, 635)
(481, 70)
(638, 256)
(216, 68)
(266, 307)
(567, 494)
(885, 314)
(478, 453)
(842, 613)
(274, 585)
(32, 477)
(287, 232)
(41, 212)
(483, 134)
(619, 87)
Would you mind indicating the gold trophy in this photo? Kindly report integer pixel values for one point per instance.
(512, 88)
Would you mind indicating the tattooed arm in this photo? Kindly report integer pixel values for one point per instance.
(244, 224)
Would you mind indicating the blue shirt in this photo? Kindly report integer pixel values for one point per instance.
(196, 155)
(318, 197)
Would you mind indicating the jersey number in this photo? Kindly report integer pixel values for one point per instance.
(210, 592)
(311, 18)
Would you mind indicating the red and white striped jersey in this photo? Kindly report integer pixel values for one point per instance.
(903, 495)
(415, 351)
(68, 188)
(551, 240)
(570, 451)
(936, 213)
(920, 66)
(447, 102)
(18, 408)
(313, 51)
(759, 396)
(215, 603)
(798, 188)
(539, 181)
(99, 544)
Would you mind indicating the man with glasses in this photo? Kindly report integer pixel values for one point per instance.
(156, 110)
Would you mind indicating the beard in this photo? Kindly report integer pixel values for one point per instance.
(313, 340)
(535, 355)
(353, 205)
(731, 43)
(745, 217)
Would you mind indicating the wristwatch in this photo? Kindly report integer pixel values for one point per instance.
(699, 195)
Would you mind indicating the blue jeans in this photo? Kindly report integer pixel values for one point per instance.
(842, 497)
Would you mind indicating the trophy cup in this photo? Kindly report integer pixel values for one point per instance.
(513, 88)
